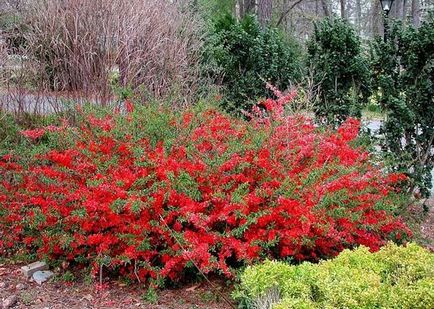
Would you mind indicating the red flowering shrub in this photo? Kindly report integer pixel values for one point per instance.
(149, 199)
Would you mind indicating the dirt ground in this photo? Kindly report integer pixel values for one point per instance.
(58, 294)
(427, 227)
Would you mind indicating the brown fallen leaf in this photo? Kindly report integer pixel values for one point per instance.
(88, 297)
(191, 289)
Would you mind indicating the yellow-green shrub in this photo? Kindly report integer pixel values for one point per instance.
(394, 277)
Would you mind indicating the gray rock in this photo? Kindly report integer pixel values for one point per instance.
(42, 276)
(30, 269)
(9, 302)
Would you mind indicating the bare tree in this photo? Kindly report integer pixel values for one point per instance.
(287, 9)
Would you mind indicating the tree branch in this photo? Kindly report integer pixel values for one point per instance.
(287, 12)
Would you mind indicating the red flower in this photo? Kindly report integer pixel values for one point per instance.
(129, 106)
(33, 134)
(222, 192)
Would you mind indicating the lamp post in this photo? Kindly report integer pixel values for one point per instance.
(386, 5)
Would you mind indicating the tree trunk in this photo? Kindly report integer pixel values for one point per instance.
(248, 7)
(404, 11)
(326, 8)
(415, 12)
(359, 16)
(343, 13)
(376, 18)
(265, 10)
(239, 9)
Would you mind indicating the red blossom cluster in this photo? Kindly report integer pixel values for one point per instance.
(224, 192)
(35, 134)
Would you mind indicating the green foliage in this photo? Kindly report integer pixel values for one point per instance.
(12, 141)
(394, 277)
(339, 70)
(241, 56)
(150, 296)
(212, 9)
(9, 132)
(403, 84)
(198, 184)
(68, 276)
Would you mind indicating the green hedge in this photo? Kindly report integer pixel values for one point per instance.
(394, 277)
(402, 75)
(241, 57)
(339, 70)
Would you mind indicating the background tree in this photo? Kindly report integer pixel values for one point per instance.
(415, 12)
(340, 70)
(403, 83)
(241, 56)
(265, 11)
(246, 7)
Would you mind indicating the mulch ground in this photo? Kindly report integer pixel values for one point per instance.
(57, 294)
(427, 227)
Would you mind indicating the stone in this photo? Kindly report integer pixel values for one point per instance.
(88, 297)
(20, 287)
(30, 269)
(42, 275)
(9, 302)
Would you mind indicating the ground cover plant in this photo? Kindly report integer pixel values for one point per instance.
(153, 194)
(394, 277)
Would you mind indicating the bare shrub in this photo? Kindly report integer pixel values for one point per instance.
(3, 54)
(3, 59)
(307, 92)
(79, 45)
(163, 51)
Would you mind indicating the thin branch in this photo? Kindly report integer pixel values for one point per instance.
(135, 271)
(283, 15)
(197, 267)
